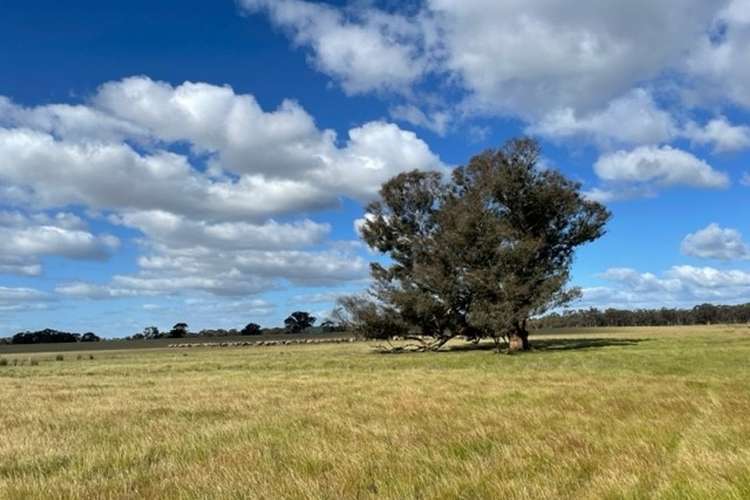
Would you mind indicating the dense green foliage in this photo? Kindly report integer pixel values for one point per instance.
(703, 314)
(251, 329)
(299, 321)
(477, 255)
(49, 336)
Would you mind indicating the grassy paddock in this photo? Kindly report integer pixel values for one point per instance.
(622, 413)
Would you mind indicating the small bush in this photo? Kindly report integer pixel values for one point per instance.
(3, 362)
(59, 357)
(91, 356)
(33, 362)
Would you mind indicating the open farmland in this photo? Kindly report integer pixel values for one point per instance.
(162, 343)
(612, 413)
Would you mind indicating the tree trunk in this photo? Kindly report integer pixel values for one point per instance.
(519, 339)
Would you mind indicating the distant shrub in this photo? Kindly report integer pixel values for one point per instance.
(251, 329)
(91, 356)
(59, 357)
(3, 362)
(33, 362)
(90, 337)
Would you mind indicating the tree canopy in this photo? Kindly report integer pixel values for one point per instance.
(701, 314)
(299, 321)
(478, 254)
(178, 331)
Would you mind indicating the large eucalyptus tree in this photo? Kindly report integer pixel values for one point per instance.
(479, 254)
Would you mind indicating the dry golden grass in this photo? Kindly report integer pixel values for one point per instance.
(630, 413)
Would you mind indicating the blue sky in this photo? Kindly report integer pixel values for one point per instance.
(206, 161)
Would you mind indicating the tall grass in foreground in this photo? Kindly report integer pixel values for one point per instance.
(632, 413)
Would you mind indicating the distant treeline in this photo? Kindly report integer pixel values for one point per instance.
(152, 333)
(49, 336)
(297, 322)
(703, 314)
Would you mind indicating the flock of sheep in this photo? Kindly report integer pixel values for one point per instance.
(264, 343)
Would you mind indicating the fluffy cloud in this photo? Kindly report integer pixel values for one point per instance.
(660, 166)
(636, 119)
(25, 238)
(278, 146)
(366, 50)
(720, 60)
(632, 119)
(530, 57)
(236, 272)
(616, 75)
(213, 119)
(56, 173)
(208, 219)
(715, 242)
(721, 134)
(260, 163)
(225, 272)
(641, 172)
(70, 122)
(679, 286)
(517, 57)
(174, 231)
(710, 278)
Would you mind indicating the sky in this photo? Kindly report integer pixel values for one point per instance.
(208, 162)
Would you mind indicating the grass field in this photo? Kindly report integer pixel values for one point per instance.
(616, 413)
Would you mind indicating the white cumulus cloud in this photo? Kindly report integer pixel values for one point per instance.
(25, 238)
(715, 242)
(367, 50)
(512, 57)
(632, 119)
(721, 134)
(208, 220)
(659, 166)
(679, 286)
